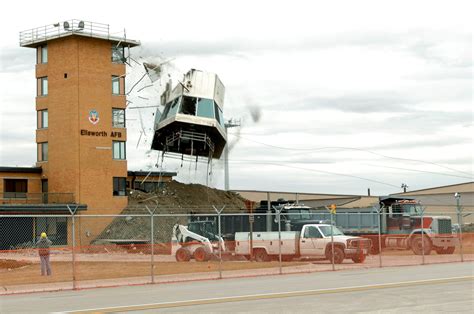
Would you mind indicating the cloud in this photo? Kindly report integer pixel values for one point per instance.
(370, 102)
(13, 60)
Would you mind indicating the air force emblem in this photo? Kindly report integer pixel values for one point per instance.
(94, 117)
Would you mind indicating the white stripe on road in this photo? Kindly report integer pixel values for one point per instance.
(271, 295)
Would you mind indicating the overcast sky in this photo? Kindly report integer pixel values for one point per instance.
(333, 96)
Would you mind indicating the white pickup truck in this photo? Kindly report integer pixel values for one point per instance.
(314, 241)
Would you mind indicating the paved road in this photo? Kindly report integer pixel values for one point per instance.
(430, 288)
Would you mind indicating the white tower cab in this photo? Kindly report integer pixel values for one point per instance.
(192, 121)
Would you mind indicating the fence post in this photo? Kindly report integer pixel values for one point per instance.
(73, 214)
(220, 237)
(379, 217)
(422, 237)
(152, 241)
(278, 212)
(332, 210)
(459, 212)
(269, 213)
(332, 241)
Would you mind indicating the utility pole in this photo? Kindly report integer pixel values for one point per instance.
(229, 124)
(457, 196)
(404, 187)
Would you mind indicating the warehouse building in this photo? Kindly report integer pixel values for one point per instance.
(439, 200)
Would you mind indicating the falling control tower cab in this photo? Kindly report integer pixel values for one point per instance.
(192, 121)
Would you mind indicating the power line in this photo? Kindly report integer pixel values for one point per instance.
(424, 171)
(354, 148)
(314, 170)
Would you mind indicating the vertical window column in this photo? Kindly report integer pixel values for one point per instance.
(115, 85)
(42, 54)
(118, 53)
(42, 86)
(118, 118)
(42, 118)
(118, 150)
(43, 151)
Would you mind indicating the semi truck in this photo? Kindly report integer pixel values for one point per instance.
(402, 226)
(196, 240)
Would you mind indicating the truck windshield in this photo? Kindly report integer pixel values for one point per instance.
(326, 230)
(412, 209)
(299, 214)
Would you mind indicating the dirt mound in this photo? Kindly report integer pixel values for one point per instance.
(176, 197)
(173, 198)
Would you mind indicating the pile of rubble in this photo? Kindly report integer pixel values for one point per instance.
(173, 198)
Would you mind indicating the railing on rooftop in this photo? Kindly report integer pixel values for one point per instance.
(36, 198)
(66, 28)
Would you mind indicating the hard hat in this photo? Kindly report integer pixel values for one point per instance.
(43, 235)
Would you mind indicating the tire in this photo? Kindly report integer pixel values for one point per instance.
(201, 254)
(182, 255)
(446, 251)
(338, 254)
(417, 244)
(260, 255)
(359, 259)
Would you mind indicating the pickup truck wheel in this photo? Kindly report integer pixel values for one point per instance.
(338, 254)
(359, 258)
(201, 254)
(442, 251)
(183, 255)
(419, 242)
(260, 255)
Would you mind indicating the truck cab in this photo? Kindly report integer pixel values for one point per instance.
(405, 217)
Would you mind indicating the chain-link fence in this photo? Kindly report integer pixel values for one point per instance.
(150, 246)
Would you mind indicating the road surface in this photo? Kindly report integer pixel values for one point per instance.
(431, 288)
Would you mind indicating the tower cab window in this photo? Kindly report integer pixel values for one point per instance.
(188, 106)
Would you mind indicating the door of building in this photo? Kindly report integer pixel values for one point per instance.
(44, 190)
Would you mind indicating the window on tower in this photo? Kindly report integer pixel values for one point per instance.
(118, 150)
(43, 151)
(42, 86)
(115, 85)
(118, 54)
(118, 118)
(43, 119)
(42, 54)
